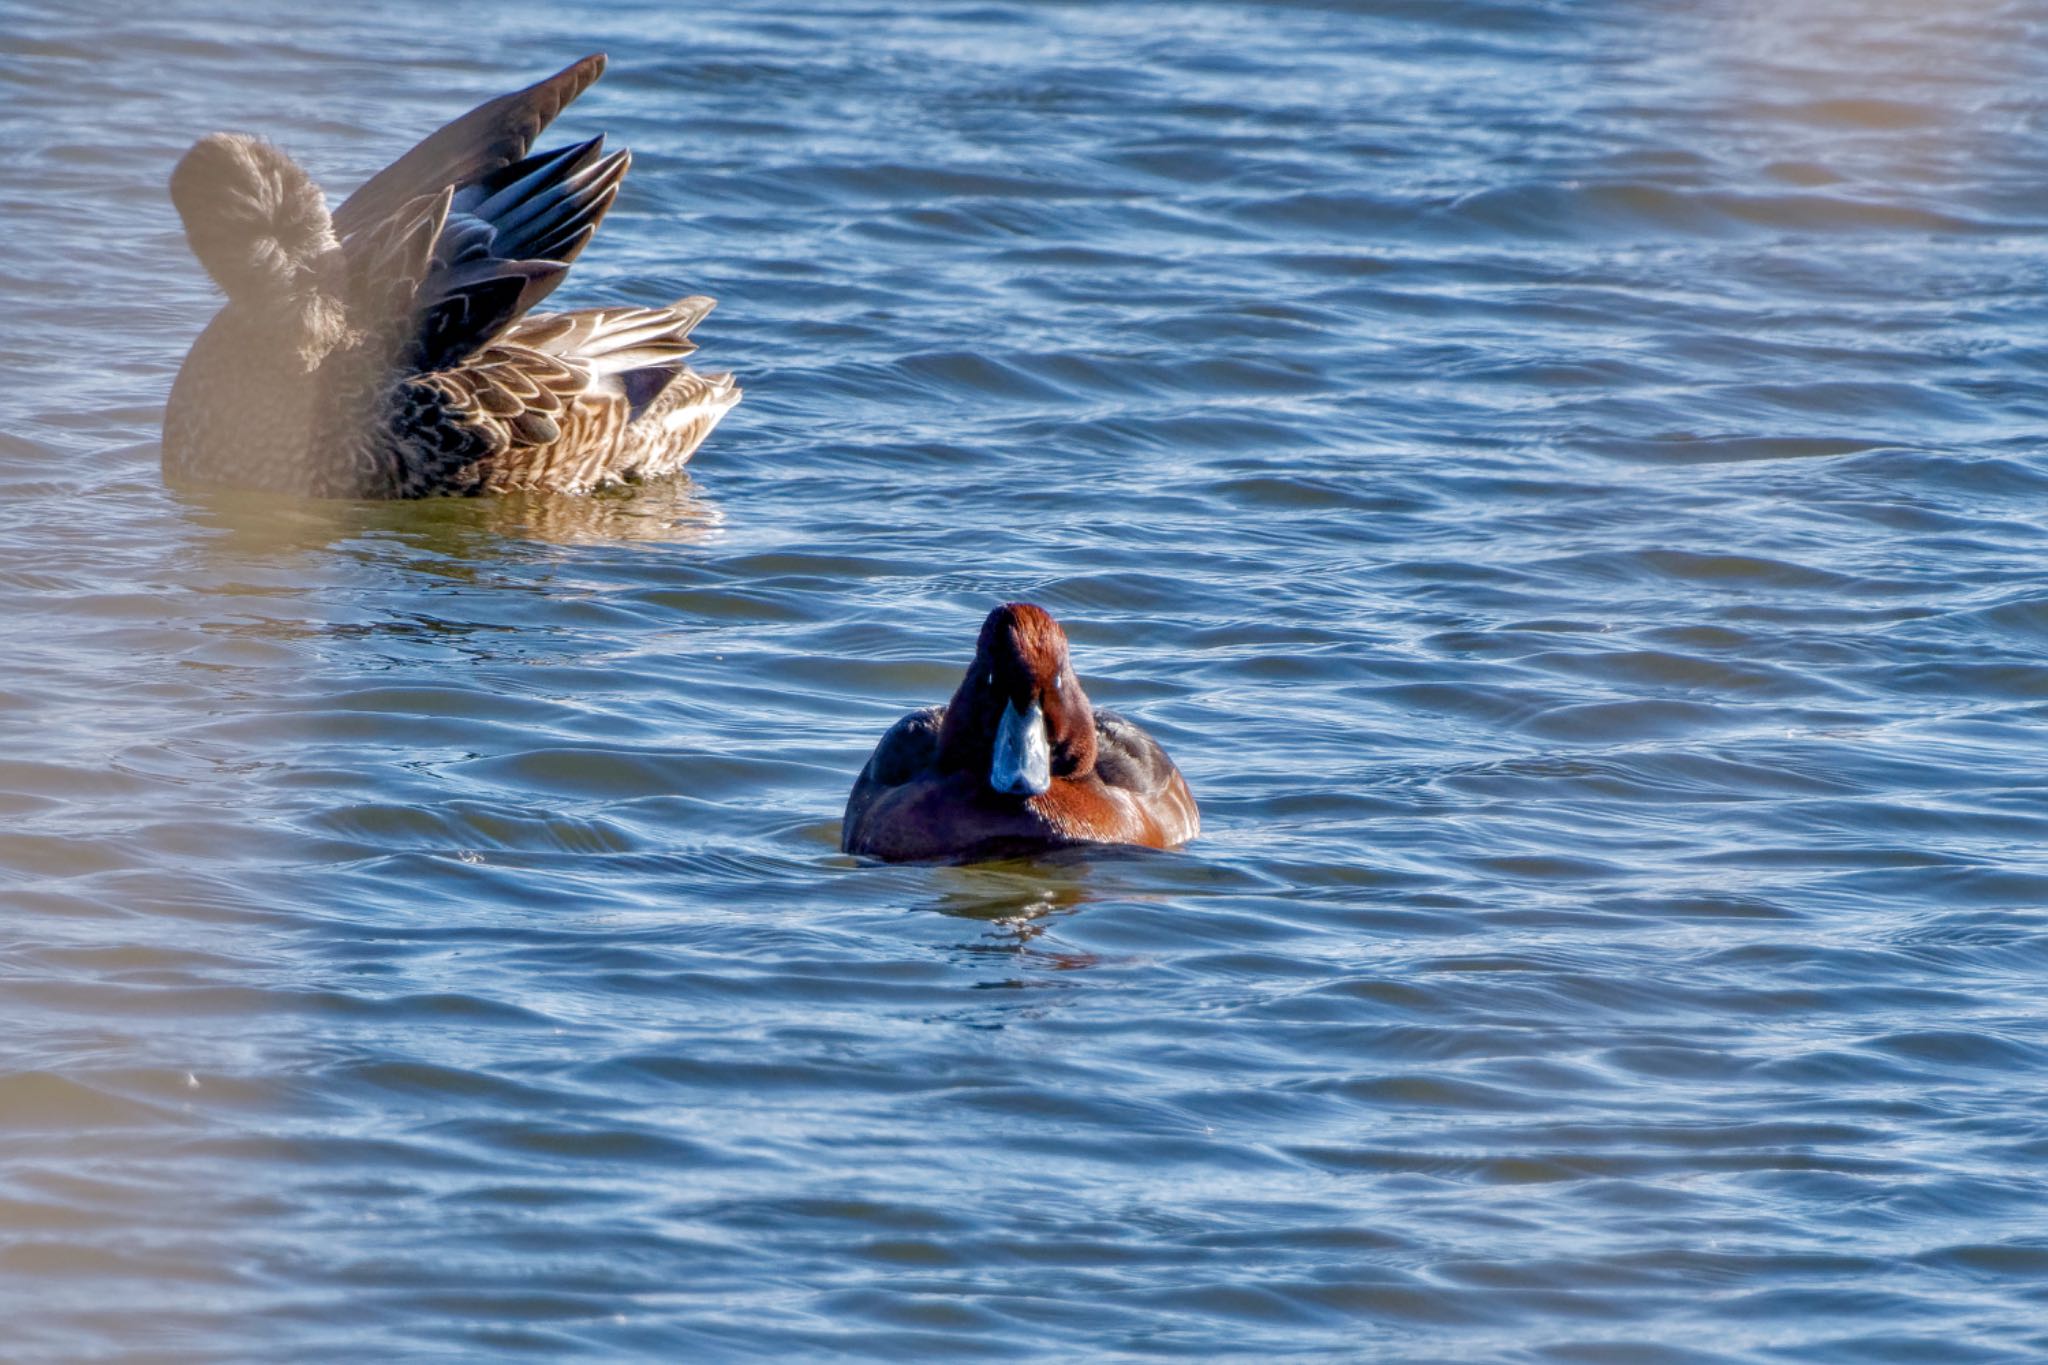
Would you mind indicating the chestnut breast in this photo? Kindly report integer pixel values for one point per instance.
(1017, 760)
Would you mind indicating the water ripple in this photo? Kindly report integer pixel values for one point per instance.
(1563, 481)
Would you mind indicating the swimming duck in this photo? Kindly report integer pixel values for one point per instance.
(389, 350)
(1017, 761)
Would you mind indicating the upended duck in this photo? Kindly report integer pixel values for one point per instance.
(389, 350)
(1018, 762)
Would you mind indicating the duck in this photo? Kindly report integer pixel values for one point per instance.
(1018, 762)
(389, 349)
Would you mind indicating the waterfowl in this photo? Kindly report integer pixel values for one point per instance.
(389, 350)
(1017, 761)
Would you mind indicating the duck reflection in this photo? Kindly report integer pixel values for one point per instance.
(1017, 906)
(253, 524)
(1018, 900)
(670, 512)
(280, 569)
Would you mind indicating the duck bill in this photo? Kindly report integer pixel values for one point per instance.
(1023, 759)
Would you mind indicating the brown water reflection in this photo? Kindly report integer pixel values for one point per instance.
(672, 511)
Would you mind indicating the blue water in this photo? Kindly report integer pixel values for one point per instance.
(1564, 480)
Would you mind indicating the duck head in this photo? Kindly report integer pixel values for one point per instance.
(259, 225)
(255, 220)
(1019, 717)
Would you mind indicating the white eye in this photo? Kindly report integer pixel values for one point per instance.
(991, 679)
(1059, 684)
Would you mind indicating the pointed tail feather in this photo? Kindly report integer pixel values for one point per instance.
(674, 422)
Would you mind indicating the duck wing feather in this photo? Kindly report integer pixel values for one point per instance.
(447, 272)
(488, 138)
(1127, 757)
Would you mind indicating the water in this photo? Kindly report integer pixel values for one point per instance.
(1563, 480)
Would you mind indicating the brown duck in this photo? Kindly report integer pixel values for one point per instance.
(389, 350)
(1016, 763)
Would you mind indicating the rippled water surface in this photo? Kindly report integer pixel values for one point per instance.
(1565, 480)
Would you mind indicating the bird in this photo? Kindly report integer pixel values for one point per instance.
(389, 349)
(1017, 762)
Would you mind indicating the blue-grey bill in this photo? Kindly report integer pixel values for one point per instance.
(1023, 761)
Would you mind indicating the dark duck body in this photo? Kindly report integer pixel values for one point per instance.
(388, 350)
(1017, 762)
